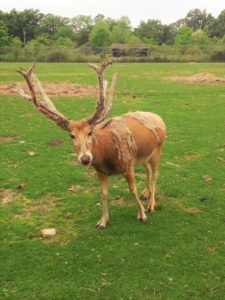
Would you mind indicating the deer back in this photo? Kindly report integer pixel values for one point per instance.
(126, 140)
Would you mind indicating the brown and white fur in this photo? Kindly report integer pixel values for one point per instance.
(110, 146)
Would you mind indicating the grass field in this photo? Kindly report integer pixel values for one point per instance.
(178, 254)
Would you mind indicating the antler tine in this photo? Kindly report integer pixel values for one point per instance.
(110, 98)
(100, 106)
(17, 88)
(31, 69)
(47, 109)
(108, 105)
(101, 69)
(27, 73)
(27, 76)
(105, 85)
(94, 66)
(45, 97)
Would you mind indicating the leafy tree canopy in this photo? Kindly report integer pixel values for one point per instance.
(4, 36)
(121, 32)
(82, 26)
(31, 25)
(199, 37)
(217, 26)
(100, 36)
(197, 19)
(151, 31)
(184, 36)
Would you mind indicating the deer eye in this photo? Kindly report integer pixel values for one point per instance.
(73, 136)
(89, 133)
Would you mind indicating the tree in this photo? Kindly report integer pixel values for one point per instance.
(82, 26)
(100, 36)
(4, 36)
(121, 32)
(111, 22)
(99, 17)
(223, 40)
(63, 42)
(151, 32)
(216, 28)
(41, 41)
(51, 25)
(64, 32)
(169, 34)
(3, 18)
(23, 25)
(16, 42)
(183, 36)
(197, 19)
(200, 38)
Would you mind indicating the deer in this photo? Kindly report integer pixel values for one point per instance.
(111, 146)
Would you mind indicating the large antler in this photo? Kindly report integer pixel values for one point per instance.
(102, 108)
(45, 105)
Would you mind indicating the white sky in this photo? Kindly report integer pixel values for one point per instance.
(167, 11)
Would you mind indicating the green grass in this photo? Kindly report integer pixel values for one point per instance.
(178, 254)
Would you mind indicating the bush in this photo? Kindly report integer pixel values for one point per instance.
(58, 55)
(218, 56)
(162, 53)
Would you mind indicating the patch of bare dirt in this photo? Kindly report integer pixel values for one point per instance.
(116, 202)
(7, 138)
(38, 207)
(204, 77)
(8, 196)
(189, 210)
(53, 88)
(221, 159)
(207, 178)
(192, 210)
(74, 188)
(74, 162)
(192, 155)
(211, 249)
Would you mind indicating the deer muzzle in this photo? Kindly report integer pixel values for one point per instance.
(85, 158)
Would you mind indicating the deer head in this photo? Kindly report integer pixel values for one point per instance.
(81, 131)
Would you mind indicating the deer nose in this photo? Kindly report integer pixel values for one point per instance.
(85, 159)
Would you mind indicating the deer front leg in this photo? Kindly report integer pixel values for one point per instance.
(104, 191)
(132, 186)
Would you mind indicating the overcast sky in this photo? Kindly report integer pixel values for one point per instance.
(167, 11)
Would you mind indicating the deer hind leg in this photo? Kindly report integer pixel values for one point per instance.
(132, 186)
(146, 193)
(154, 162)
(104, 191)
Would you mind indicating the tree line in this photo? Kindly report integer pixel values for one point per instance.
(31, 28)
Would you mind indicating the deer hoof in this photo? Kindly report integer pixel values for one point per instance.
(150, 210)
(100, 226)
(143, 220)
